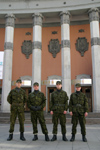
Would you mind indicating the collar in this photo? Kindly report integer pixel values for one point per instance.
(59, 90)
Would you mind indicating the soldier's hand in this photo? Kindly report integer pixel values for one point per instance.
(51, 112)
(86, 114)
(71, 113)
(38, 107)
(33, 108)
(65, 112)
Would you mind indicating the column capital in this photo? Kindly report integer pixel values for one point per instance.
(36, 45)
(37, 19)
(65, 17)
(95, 41)
(10, 20)
(65, 43)
(8, 45)
(93, 14)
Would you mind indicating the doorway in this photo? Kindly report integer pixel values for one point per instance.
(88, 92)
(27, 91)
(50, 90)
(0, 97)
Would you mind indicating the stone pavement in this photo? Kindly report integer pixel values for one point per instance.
(93, 136)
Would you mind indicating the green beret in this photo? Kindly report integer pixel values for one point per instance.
(19, 80)
(36, 83)
(58, 82)
(78, 85)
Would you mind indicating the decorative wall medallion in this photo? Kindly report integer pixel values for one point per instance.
(81, 30)
(54, 32)
(82, 45)
(28, 33)
(27, 48)
(54, 47)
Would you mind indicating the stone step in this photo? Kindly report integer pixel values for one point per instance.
(93, 118)
(49, 121)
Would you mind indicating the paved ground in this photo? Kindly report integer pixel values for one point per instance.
(93, 136)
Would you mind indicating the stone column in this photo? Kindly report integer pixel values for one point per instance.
(95, 48)
(65, 45)
(36, 49)
(7, 69)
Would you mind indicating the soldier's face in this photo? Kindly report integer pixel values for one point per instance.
(36, 87)
(58, 86)
(18, 84)
(78, 88)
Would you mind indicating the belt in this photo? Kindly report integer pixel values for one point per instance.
(16, 104)
(59, 104)
(78, 105)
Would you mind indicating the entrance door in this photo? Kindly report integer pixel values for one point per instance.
(50, 90)
(88, 93)
(0, 97)
(27, 90)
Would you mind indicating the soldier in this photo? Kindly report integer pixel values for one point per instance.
(58, 110)
(78, 108)
(17, 99)
(36, 103)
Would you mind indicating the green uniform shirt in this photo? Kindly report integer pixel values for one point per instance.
(17, 99)
(36, 99)
(78, 103)
(59, 101)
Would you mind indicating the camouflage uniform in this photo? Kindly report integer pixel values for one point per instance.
(37, 99)
(78, 105)
(59, 103)
(17, 99)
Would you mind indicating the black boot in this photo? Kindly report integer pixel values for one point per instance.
(54, 138)
(46, 137)
(72, 138)
(64, 137)
(35, 138)
(22, 136)
(84, 138)
(10, 137)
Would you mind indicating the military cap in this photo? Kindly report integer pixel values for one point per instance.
(58, 82)
(36, 83)
(78, 85)
(18, 80)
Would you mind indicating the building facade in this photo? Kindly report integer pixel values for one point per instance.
(45, 41)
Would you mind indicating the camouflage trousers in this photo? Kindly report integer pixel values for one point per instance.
(35, 116)
(62, 118)
(21, 119)
(81, 118)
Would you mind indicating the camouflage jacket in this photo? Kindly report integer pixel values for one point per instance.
(36, 99)
(17, 99)
(59, 101)
(78, 103)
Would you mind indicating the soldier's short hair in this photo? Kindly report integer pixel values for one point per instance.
(36, 83)
(77, 85)
(58, 82)
(19, 80)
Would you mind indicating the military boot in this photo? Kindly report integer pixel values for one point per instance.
(46, 137)
(10, 137)
(54, 138)
(64, 137)
(35, 137)
(72, 138)
(22, 136)
(84, 138)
